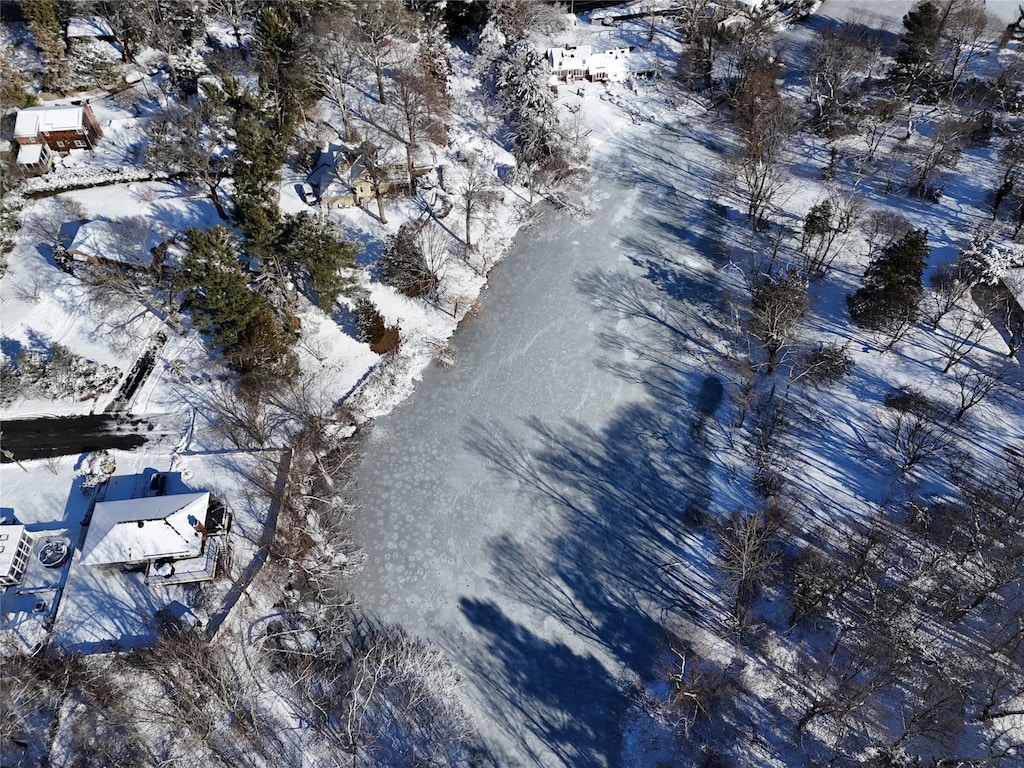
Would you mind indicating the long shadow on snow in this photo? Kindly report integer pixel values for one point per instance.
(619, 556)
(561, 696)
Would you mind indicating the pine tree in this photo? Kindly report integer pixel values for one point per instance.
(45, 23)
(893, 285)
(327, 259)
(923, 24)
(263, 352)
(404, 265)
(217, 288)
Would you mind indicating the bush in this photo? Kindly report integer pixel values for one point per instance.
(910, 400)
(373, 329)
(827, 363)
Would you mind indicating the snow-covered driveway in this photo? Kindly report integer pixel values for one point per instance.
(527, 510)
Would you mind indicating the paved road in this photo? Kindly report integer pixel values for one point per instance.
(43, 437)
(527, 510)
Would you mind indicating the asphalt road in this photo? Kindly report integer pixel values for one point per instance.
(41, 438)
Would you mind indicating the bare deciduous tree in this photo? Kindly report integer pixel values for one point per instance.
(333, 62)
(193, 141)
(837, 58)
(476, 191)
(746, 553)
(237, 13)
(974, 385)
(420, 107)
(968, 29)
(883, 227)
(380, 24)
(963, 333)
(914, 437)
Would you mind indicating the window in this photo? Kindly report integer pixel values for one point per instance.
(60, 144)
(79, 143)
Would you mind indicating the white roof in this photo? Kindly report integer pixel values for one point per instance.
(137, 530)
(30, 153)
(570, 58)
(10, 535)
(613, 63)
(35, 120)
(89, 26)
(101, 238)
(1013, 279)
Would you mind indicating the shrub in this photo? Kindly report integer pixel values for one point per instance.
(373, 329)
(827, 363)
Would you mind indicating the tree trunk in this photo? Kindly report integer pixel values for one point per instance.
(380, 83)
(469, 216)
(343, 105)
(215, 199)
(380, 208)
(408, 167)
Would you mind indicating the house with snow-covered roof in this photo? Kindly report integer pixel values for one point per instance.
(372, 171)
(570, 62)
(132, 242)
(582, 62)
(141, 532)
(61, 128)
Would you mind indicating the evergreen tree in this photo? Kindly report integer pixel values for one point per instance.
(263, 353)
(404, 265)
(892, 286)
(258, 145)
(327, 259)
(923, 24)
(46, 20)
(216, 286)
(283, 72)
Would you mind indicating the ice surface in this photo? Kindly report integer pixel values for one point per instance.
(518, 506)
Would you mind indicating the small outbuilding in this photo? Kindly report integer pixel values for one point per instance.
(89, 28)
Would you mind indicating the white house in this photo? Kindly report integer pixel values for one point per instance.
(15, 548)
(582, 62)
(141, 531)
(570, 62)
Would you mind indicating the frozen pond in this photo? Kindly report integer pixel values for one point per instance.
(525, 509)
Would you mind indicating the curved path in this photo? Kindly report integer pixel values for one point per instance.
(527, 510)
